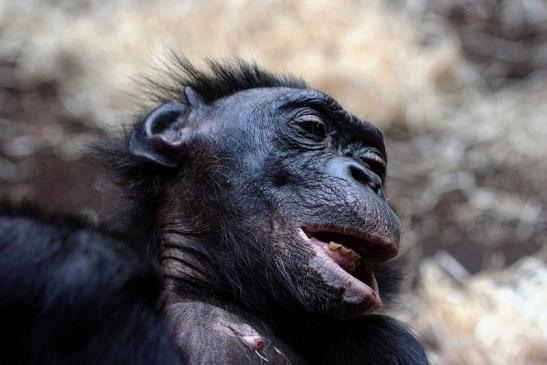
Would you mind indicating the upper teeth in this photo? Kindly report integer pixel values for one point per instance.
(344, 251)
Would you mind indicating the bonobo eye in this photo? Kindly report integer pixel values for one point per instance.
(375, 162)
(314, 127)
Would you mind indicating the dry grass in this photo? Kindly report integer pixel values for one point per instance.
(362, 53)
(491, 318)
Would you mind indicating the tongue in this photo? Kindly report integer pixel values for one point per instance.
(346, 258)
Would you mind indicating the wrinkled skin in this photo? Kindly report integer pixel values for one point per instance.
(253, 172)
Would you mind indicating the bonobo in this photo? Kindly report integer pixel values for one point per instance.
(261, 201)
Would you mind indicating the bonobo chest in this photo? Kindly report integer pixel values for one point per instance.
(208, 334)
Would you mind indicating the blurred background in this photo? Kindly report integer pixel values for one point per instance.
(458, 86)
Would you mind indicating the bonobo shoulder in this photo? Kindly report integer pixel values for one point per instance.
(73, 293)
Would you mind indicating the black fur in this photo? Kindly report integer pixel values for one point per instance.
(72, 293)
(223, 79)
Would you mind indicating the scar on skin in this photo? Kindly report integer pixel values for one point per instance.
(246, 334)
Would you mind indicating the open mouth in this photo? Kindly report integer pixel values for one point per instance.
(346, 259)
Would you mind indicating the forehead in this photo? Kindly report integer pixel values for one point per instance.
(264, 99)
(253, 104)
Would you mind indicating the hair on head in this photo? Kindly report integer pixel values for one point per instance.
(217, 80)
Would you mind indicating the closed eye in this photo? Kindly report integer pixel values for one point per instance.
(375, 162)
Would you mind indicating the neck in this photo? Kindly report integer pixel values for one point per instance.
(192, 266)
(185, 266)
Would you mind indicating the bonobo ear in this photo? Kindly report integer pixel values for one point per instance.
(160, 137)
(194, 98)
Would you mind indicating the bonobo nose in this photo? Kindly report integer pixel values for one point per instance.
(351, 171)
(365, 177)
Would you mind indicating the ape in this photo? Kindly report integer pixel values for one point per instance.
(261, 200)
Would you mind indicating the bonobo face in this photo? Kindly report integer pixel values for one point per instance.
(294, 176)
(313, 173)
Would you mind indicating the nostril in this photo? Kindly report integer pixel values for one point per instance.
(359, 174)
(379, 191)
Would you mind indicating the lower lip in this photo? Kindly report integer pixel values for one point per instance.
(355, 291)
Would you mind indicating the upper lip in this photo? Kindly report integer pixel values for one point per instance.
(376, 247)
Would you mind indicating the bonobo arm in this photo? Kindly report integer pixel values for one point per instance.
(370, 339)
(387, 340)
(209, 334)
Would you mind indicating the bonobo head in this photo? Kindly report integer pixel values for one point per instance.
(263, 191)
